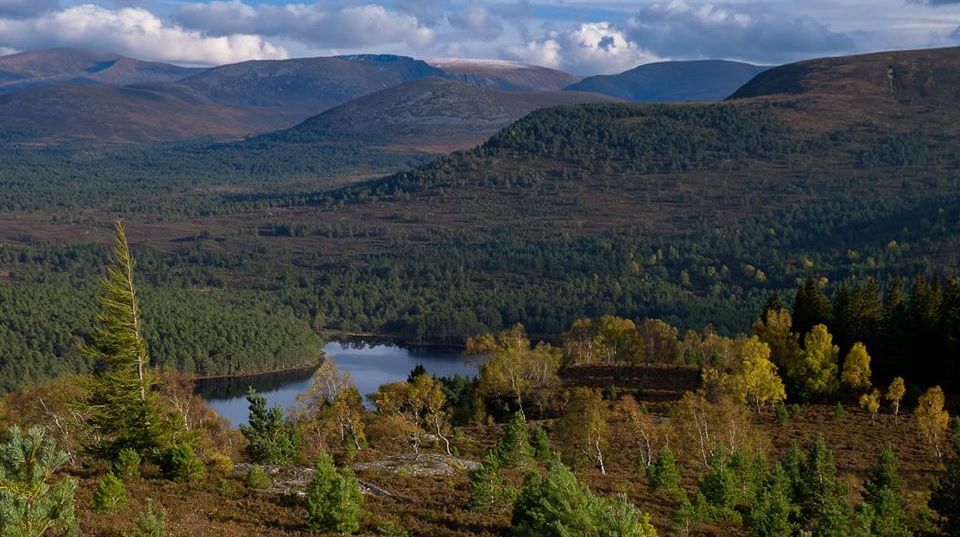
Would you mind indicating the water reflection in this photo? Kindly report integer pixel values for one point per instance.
(370, 365)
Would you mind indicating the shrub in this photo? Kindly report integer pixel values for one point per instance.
(224, 487)
(221, 463)
(127, 464)
(149, 523)
(180, 463)
(28, 494)
(257, 477)
(109, 495)
(839, 412)
(781, 413)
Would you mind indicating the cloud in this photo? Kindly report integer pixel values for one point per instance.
(347, 26)
(17, 9)
(934, 2)
(956, 34)
(477, 20)
(680, 29)
(595, 47)
(132, 31)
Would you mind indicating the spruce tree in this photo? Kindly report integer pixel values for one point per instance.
(32, 503)
(124, 411)
(109, 495)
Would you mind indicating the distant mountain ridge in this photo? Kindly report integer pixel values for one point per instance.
(434, 112)
(504, 75)
(82, 67)
(674, 81)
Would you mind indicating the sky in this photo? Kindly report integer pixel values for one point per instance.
(580, 36)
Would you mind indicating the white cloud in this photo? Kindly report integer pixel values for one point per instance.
(133, 31)
(595, 47)
(319, 25)
(755, 32)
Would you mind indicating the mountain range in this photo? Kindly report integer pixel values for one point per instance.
(703, 80)
(67, 96)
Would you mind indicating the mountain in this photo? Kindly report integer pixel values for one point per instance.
(60, 114)
(899, 77)
(431, 114)
(701, 80)
(505, 75)
(75, 66)
(299, 88)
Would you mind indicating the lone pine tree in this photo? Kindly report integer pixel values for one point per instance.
(123, 407)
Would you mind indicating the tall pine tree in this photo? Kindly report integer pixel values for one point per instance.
(124, 409)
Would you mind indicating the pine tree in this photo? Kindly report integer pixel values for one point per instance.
(149, 523)
(333, 499)
(664, 474)
(486, 484)
(540, 443)
(824, 506)
(32, 504)
(811, 307)
(270, 439)
(946, 495)
(109, 495)
(557, 505)
(770, 515)
(887, 516)
(514, 450)
(124, 409)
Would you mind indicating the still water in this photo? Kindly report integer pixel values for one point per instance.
(370, 365)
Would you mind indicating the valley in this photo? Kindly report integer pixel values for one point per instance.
(694, 295)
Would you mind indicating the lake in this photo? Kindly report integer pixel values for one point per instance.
(370, 364)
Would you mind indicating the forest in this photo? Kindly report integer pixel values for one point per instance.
(616, 427)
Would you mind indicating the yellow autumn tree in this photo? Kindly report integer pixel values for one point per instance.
(871, 403)
(513, 368)
(932, 419)
(816, 372)
(856, 368)
(776, 330)
(895, 395)
(762, 385)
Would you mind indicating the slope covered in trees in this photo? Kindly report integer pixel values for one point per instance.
(690, 213)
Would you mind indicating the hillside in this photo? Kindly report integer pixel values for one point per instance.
(299, 88)
(677, 81)
(431, 115)
(693, 213)
(74, 66)
(505, 75)
(100, 114)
